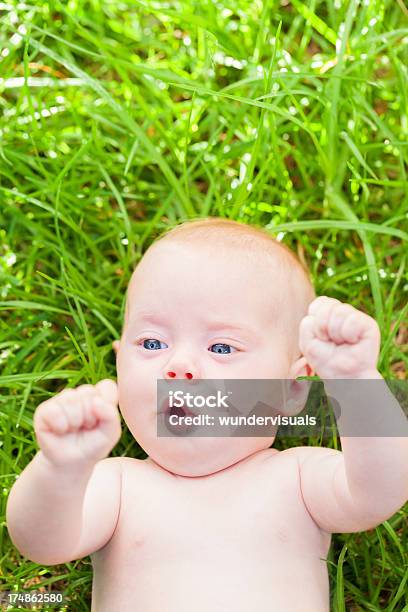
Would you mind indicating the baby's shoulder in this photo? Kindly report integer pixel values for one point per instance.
(135, 470)
(118, 468)
(295, 454)
(129, 460)
(302, 453)
(130, 463)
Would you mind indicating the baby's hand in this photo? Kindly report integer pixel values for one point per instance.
(339, 341)
(79, 425)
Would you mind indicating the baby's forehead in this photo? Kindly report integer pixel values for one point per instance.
(205, 257)
(167, 264)
(256, 281)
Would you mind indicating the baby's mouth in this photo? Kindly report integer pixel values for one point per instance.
(181, 411)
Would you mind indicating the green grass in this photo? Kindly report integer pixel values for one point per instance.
(120, 118)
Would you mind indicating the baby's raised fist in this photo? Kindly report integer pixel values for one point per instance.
(339, 341)
(79, 425)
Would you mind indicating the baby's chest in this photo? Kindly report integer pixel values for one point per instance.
(242, 513)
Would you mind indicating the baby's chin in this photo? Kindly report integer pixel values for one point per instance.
(193, 457)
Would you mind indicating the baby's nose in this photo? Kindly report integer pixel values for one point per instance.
(172, 374)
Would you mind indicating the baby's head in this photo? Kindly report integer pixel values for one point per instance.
(217, 299)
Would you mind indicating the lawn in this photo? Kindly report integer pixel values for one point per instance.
(120, 119)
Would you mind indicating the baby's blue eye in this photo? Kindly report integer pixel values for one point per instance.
(152, 344)
(221, 348)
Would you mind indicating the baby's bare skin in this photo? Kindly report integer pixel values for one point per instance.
(233, 540)
(207, 524)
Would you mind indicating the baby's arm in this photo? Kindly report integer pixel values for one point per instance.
(367, 482)
(66, 502)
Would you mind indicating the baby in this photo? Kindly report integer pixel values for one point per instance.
(209, 524)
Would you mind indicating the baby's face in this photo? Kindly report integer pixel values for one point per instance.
(208, 314)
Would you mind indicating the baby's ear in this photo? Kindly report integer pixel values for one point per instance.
(297, 391)
(116, 345)
(300, 368)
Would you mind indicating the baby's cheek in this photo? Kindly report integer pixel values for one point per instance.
(263, 366)
(136, 380)
(137, 403)
(131, 365)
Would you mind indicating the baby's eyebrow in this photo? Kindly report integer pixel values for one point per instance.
(149, 317)
(221, 325)
(156, 319)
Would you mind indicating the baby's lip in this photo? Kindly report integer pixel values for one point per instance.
(180, 428)
(165, 409)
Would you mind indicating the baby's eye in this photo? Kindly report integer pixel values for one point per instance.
(222, 348)
(153, 344)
